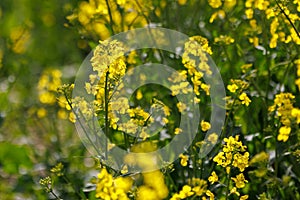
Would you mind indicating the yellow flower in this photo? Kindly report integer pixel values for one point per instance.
(244, 197)
(210, 194)
(206, 88)
(260, 157)
(62, 114)
(224, 39)
(215, 3)
(184, 159)
(221, 14)
(249, 13)
(182, 2)
(232, 88)
(139, 95)
(108, 187)
(245, 99)
(245, 67)
(284, 133)
(123, 183)
(240, 180)
(181, 107)
(41, 112)
(185, 192)
(205, 126)
(213, 178)
(296, 114)
(232, 154)
(213, 138)
(234, 191)
(283, 104)
(177, 131)
(254, 40)
(146, 193)
(72, 117)
(219, 158)
(241, 161)
(19, 37)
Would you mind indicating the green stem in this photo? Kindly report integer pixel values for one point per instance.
(228, 178)
(111, 22)
(81, 125)
(172, 181)
(227, 184)
(287, 17)
(106, 111)
(56, 197)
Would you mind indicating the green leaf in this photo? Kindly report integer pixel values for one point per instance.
(12, 157)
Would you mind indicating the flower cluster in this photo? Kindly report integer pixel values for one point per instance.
(195, 61)
(100, 18)
(224, 39)
(49, 83)
(279, 17)
(108, 187)
(154, 187)
(232, 156)
(237, 88)
(222, 6)
(19, 38)
(196, 188)
(286, 112)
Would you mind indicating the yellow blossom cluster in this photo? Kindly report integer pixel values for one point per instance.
(153, 185)
(224, 39)
(238, 86)
(65, 102)
(233, 154)
(278, 16)
(213, 177)
(100, 18)
(195, 61)
(286, 112)
(139, 157)
(153, 188)
(108, 187)
(222, 6)
(196, 188)
(48, 84)
(108, 62)
(58, 169)
(19, 37)
(183, 159)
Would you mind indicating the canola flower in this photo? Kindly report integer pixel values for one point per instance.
(205, 126)
(213, 177)
(50, 93)
(278, 16)
(99, 18)
(20, 37)
(237, 90)
(152, 186)
(196, 188)
(108, 187)
(286, 113)
(233, 155)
